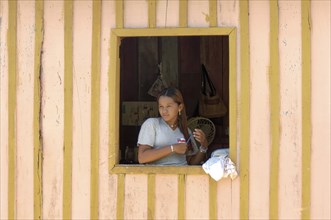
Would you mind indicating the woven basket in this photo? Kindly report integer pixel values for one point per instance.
(206, 125)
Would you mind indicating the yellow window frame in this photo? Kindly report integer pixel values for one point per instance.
(114, 95)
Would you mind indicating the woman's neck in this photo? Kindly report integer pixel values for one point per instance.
(172, 125)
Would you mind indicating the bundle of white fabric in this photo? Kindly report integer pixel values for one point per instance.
(219, 165)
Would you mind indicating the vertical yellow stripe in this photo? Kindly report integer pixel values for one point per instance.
(120, 196)
(181, 196)
(119, 14)
(306, 108)
(212, 13)
(151, 196)
(67, 166)
(151, 13)
(233, 94)
(95, 106)
(37, 155)
(183, 13)
(212, 199)
(11, 39)
(274, 110)
(244, 110)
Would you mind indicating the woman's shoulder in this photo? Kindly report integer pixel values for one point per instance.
(152, 121)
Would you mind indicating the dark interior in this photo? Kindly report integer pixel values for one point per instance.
(181, 59)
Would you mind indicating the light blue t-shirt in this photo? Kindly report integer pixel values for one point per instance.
(156, 132)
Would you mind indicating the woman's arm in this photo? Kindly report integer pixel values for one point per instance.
(147, 154)
(196, 159)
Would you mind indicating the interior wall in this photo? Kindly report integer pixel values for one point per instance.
(181, 59)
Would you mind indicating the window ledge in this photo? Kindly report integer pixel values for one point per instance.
(162, 169)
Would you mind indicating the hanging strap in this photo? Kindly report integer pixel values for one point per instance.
(206, 83)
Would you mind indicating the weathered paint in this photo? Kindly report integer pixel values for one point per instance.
(225, 203)
(130, 14)
(68, 97)
(52, 118)
(152, 13)
(181, 196)
(95, 108)
(183, 13)
(37, 138)
(212, 13)
(151, 197)
(120, 196)
(24, 110)
(81, 109)
(290, 70)
(197, 197)
(167, 14)
(244, 109)
(107, 183)
(212, 199)
(320, 24)
(113, 101)
(259, 152)
(228, 16)
(233, 96)
(136, 187)
(197, 11)
(274, 110)
(119, 14)
(12, 71)
(293, 192)
(4, 155)
(166, 202)
(306, 110)
(212, 183)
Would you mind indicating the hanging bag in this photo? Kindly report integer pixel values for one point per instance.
(210, 103)
(158, 85)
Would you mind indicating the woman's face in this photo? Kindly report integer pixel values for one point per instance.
(169, 109)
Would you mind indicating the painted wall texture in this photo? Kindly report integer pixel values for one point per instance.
(55, 62)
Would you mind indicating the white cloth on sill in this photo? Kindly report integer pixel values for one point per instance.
(219, 165)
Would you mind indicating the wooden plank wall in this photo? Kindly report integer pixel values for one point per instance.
(54, 71)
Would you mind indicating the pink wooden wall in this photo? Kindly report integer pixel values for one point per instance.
(135, 15)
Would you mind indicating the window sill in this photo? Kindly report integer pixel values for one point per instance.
(150, 169)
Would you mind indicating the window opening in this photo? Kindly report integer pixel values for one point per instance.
(177, 60)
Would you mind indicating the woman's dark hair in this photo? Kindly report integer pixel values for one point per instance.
(177, 96)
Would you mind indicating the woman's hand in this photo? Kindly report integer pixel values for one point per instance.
(180, 148)
(200, 136)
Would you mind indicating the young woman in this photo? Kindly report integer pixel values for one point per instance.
(166, 140)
